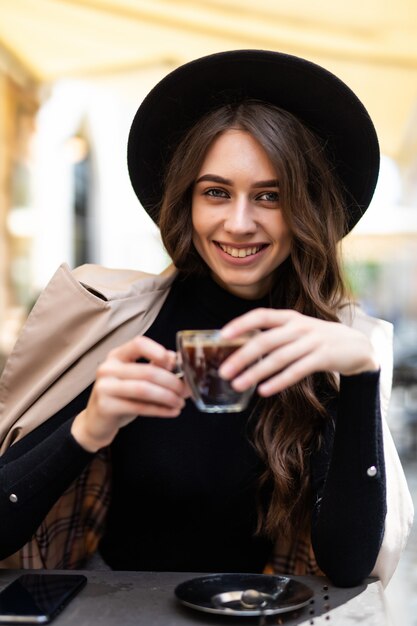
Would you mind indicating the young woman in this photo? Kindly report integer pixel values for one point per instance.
(254, 164)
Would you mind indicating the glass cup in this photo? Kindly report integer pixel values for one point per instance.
(200, 354)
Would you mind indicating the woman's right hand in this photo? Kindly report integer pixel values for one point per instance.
(125, 389)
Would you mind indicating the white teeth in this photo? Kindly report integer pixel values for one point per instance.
(240, 252)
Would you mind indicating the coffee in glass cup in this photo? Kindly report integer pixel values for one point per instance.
(201, 352)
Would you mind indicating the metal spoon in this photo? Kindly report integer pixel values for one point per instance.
(253, 599)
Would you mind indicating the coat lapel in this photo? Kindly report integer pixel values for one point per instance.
(77, 319)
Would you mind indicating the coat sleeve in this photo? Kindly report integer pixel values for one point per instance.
(400, 511)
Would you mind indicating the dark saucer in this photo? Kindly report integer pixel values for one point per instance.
(244, 594)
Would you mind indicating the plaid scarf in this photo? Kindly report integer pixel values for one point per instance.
(70, 532)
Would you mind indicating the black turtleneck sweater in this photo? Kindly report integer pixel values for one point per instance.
(184, 489)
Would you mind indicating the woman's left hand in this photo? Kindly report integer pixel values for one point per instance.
(291, 347)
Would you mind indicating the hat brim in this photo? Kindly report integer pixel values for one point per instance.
(315, 96)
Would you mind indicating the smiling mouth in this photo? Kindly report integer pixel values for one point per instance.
(240, 253)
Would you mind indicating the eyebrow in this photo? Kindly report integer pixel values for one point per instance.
(214, 178)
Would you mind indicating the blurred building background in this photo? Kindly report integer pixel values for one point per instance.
(72, 74)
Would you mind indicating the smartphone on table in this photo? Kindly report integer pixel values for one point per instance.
(38, 598)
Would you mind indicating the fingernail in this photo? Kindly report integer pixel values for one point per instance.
(239, 385)
(225, 372)
(264, 390)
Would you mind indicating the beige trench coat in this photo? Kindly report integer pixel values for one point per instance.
(84, 313)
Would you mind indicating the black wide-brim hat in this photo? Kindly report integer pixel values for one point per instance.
(319, 99)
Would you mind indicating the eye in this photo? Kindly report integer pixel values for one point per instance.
(268, 196)
(216, 192)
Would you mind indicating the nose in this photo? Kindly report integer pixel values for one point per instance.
(240, 217)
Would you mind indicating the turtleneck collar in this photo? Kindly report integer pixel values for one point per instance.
(218, 303)
(211, 295)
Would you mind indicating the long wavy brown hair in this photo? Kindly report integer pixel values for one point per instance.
(287, 426)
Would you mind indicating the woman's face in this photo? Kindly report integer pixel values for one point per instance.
(238, 226)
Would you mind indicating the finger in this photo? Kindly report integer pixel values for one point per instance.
(258, 318)
(142, 347)
(256, 348)
(273, 363)
(142, 371)
(138, 391)
(172, 359)
(288, 377)
(131, 409)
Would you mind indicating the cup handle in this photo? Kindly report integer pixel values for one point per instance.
(177, 370)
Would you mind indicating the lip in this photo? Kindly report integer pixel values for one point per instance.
(248, 260)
